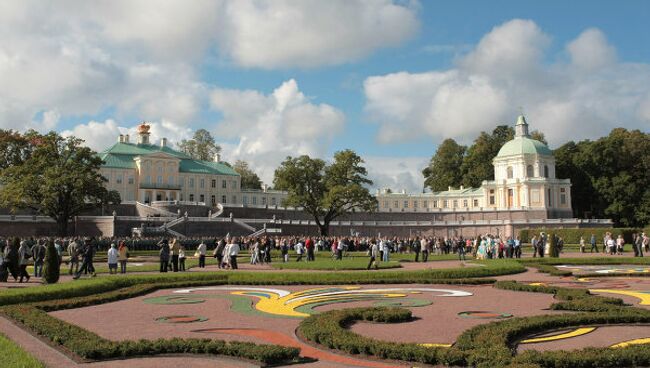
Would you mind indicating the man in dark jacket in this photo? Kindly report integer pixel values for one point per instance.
(88, 252)
(164, 255)
(38, 252)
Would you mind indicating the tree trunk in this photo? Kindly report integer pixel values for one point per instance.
(62, 226)
(324, 228)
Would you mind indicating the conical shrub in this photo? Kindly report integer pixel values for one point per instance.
(51, 268)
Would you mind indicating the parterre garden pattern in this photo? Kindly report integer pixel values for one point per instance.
(485, 345)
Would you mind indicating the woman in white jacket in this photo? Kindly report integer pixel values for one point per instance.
(113, 256)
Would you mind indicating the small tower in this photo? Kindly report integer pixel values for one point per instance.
(521, 128)
(143, 133)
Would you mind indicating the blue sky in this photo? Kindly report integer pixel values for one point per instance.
(388, 79)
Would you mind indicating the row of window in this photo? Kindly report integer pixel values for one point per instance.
(464, 203)
(160, 167)
(171, 180)
(530, 171)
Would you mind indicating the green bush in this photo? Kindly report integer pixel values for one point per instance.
(572, 236)
(51, 267)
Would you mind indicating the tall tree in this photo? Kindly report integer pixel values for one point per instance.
(201, 147)
(59, 179)
(444, 168)
(249, 180)
(326, 191)
(609, 176)
(538, 136)
(477, 164)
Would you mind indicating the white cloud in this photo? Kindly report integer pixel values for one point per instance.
(142, 58)
(270, 127)
(101, 135)
(396, 173)
(582, 98)
(310, 33)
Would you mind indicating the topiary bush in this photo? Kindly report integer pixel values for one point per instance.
(51, 268)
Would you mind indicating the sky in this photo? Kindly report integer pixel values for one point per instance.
(271, 79)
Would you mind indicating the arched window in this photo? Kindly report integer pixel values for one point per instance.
(546, 171)
(510, 172)
(530, 172)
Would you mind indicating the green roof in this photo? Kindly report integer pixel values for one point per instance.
(524, 146)
(122, 155)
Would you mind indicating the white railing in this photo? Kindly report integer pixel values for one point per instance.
(244, 225)
(174, 222)
(156, 209)
(219, 211)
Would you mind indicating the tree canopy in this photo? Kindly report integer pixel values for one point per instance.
(201, 147)
(249, 180)
(59, 178)
(443, 171)
(609, 176)
(326, 191)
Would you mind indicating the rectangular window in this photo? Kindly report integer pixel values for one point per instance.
(234, 184)
(415, 204)
(223, 184)
(406, 204)
(476, 203)
(234, 199)
(213, 183)
(455, 203)
(435, 204)
(385, 204)
(202, 198)
(223, 199)
(191, 182)
(425, 204)
(273, 201)
(202, 184)
(191, 197)
(118, 178)
(444, 204)
(213, 200)
(147, 180)
(254, 200)
(170, 180)
(562, 196)
(464, 202)
(263, 201)
(159, 179)
(131, 180)
(244, 200)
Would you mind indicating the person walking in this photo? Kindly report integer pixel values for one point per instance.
(38, 252)
(181, 257)
(415, 245)
(73, 253)
(592, 241)
(218, 252)
(87, 253)
(374, 253)
(255, 251)
(284, 250)
(385, 248)
(309, 246)
(233, 252)
(113, 255)
(173, 249)
(299, 250)
(637, 245)
(201, 251)
(11, 258)
(24, 254)
(460, 248)
(424, 249)
(123, 251)
(164, 255)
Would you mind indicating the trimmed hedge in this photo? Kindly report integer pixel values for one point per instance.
(494, 344)
(572, 236)
(91, 346)
(329, 329)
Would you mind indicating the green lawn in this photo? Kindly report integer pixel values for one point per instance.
(13, 356)
(327, 263)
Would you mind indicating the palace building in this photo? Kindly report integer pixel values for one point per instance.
(524, 180)
(146, 173)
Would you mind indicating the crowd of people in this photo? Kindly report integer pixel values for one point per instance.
(78, 253)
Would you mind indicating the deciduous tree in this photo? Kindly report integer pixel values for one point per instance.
(249, 180)
(59, 179)
(444, 168)
(201, 147)
(326, 191)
